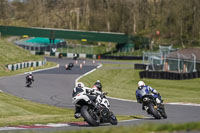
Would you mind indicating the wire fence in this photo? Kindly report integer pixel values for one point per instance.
(161, 61)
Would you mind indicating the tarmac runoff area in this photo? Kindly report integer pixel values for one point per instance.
(58, 93)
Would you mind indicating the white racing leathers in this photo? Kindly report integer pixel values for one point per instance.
(82, 95)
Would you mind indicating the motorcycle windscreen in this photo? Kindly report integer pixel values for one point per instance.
(76, 91)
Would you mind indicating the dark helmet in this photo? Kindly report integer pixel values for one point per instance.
(98, 85)
(80, 85)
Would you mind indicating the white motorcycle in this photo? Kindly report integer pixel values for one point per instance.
(94, 108)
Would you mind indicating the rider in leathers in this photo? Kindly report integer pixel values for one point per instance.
(144, 90)
(98, 85)
(29, 77)
(87, 90)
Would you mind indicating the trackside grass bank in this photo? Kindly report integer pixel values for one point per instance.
(17, 111)
(10, 54)
(146, 128)
(120, 80)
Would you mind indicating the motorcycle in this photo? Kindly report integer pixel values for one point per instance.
(94, 108)
(154, 106)
(29, 81)
(69, 66)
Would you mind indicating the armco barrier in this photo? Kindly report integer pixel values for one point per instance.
(168, 75)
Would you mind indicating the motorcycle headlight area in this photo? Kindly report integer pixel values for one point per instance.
(145, 99)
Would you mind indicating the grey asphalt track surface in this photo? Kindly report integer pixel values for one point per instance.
(54, 87)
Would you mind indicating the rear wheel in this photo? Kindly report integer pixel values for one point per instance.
(153, 111)
(91, 118)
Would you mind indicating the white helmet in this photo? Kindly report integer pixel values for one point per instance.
(30, 73)
(80, 84)
(141, 84)
(98, 81)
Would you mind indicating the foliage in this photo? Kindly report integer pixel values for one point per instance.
(177, 20)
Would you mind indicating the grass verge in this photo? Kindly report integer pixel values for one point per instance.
(120, 80)
(146, 128)
(10, 54)
(18, 111)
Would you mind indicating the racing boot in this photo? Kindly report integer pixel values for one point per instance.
(77, 115)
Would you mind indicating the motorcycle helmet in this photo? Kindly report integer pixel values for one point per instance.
(141, 84)
(98, 81)
(98, 85)
(80, 85)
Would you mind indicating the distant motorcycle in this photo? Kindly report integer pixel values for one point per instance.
(94, 115)
(69, 66)
(154, 106)
(29, 81)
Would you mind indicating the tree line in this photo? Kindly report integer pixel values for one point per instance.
(174, 20)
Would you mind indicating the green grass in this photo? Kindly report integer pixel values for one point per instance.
(145, 128)
(18, 111)
(10, 53)
(122, 83)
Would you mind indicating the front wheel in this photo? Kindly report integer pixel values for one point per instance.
(113, 119)
(91, 118)
(29, 84)
(162, 112)
(154, 112)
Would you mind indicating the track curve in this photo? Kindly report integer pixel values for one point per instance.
(54, 87)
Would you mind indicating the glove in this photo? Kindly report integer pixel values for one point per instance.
(105, 93)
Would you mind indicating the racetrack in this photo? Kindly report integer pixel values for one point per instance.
(54, 87)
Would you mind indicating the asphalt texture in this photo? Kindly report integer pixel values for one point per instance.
(54, 87)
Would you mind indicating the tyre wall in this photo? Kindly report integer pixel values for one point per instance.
(168, 75)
